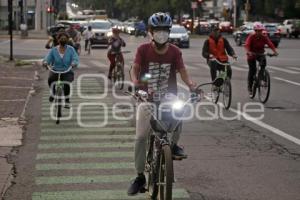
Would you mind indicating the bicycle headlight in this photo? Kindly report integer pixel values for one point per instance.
(178, 105)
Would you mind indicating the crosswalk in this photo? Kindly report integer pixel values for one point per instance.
(76, 163)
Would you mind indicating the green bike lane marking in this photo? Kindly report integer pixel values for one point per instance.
(98, 195)
(103, 131)
(82, 179)
(86, 145)
(60, 141)
(45, 156)
(76, 166)
(80, 137)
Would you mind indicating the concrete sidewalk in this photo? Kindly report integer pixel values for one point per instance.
(14, 94)
(32, 34)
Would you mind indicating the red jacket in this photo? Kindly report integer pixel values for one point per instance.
(257, 44)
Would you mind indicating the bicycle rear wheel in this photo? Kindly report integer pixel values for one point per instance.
(227, 93)
(264, 86)
(120, 76)
(254, 86)
(58, 99)
(166, 174)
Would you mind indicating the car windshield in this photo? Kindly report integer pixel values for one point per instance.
(101, 25)
(270, 28)
(178, 30)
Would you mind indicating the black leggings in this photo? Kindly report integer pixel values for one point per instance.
(67, 77)
(252, 68)
(214, 67)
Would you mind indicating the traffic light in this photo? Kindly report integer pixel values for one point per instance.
(50, 9)
(200, 1)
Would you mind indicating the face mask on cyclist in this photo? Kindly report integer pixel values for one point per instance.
(161, 37)
(63, 41)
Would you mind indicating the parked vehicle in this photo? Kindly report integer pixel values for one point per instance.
(179, 36)
(274, 34)
(102, 30)
(290, 28)
(130, 28)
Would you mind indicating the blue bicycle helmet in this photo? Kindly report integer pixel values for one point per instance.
(160, 20)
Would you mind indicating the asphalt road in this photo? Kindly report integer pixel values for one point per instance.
(234, 159)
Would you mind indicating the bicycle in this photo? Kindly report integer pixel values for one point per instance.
(58, 96)
(262, 80)
(118, 71)
(159, 159)
(225, 88)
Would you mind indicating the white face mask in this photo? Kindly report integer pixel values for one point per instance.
(161, 37)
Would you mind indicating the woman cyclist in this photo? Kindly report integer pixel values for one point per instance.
(255, 48)
(61, 58)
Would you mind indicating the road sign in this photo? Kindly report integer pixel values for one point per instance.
(194, 5)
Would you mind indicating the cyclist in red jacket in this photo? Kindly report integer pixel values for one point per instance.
(255, 47)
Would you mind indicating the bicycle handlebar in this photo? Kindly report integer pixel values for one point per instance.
(221, 63)
(50, 68)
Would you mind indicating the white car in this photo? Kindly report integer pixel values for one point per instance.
(102, 30)
(179, 36)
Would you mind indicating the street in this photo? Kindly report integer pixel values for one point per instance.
(238, 158)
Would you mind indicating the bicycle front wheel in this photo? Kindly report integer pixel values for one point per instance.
(264, 86)
(254, 86)
(227, 94)
(58, 99)
(166, 174)
(215, 93)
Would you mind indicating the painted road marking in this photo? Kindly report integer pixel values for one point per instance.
(104, 130)
(295, 68)
(83, 179)
(99, 195)
(86, 145)
(99, 64)
(283, 69)
(14, 87)
(12, 100)
(262, 124)
(77, 166)
(287, 81)
(85, 137)
(123, 154)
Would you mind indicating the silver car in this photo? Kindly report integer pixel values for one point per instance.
(179, 36)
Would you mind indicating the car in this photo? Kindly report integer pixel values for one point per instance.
(226, 27)
(102, 30)
(273, 32)
(179, 36)
(203, 28)
(290, 27)
(130, 28)
(241, 35)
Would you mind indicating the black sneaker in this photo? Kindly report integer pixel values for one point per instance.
(51, 99)
(138, 185)
(67, 104)
(178, 153)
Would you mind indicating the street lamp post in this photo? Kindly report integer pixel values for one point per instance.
(234, 13)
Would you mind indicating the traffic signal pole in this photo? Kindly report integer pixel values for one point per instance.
(10, 21)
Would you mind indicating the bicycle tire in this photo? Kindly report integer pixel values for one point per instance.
(152, 168)
(120, 76)
(254, 87)
(267, 80)
(166, 174)
(58, 99)
(227, 86)
(215, 95)
(114, 74)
